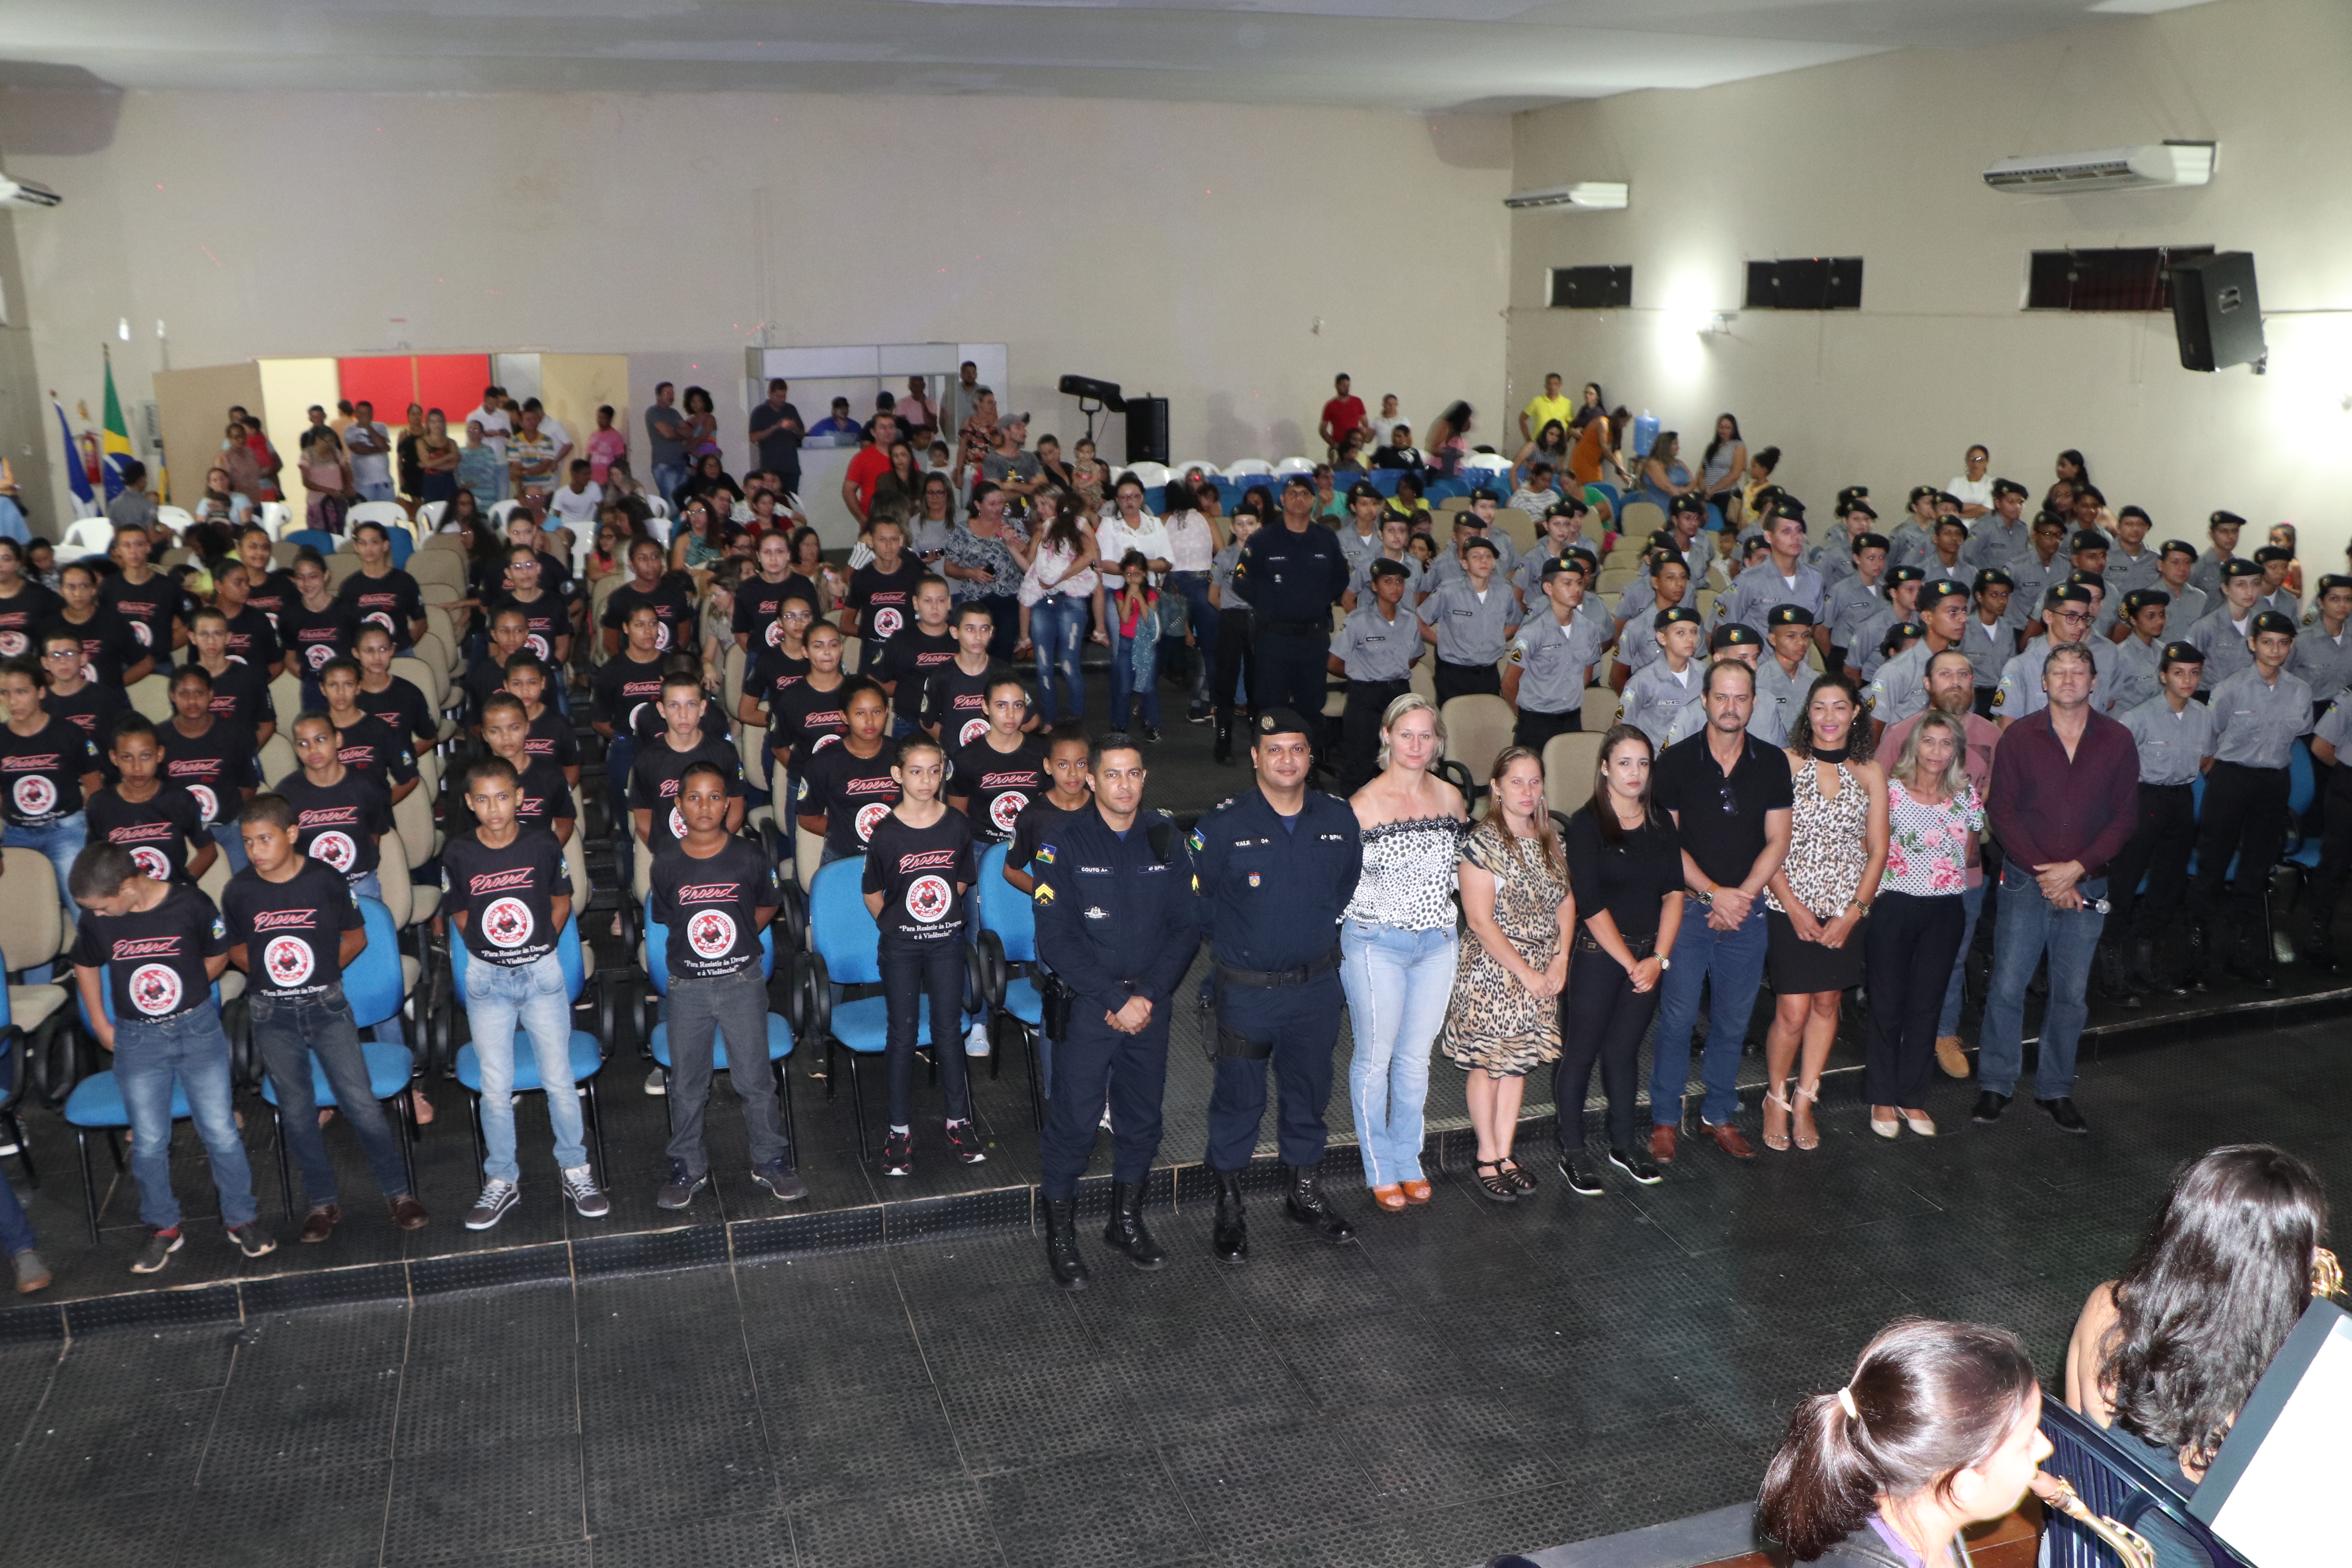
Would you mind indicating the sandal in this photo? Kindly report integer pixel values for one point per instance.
(1885, 1127)
(1390, 1197)
(1416, 1192)
(1520, 1176)
(1777, 1141)
(1498, 1187)
(1808, 1136)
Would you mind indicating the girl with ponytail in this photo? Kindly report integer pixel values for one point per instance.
(1938, 1428)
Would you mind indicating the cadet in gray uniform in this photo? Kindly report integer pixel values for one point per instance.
(2174, 733)
(2257, 715)
(1913, 539)
(1395, 532)
(1552, 657)
(1374, 648)
(1988, 638)
(2331, 743)
(1948, 562)
(2001, 537)
(1360, 530)
(1835, 557)
(2040, 569)
(1745, 644)
(1868, 631)
(2190, 604)
(1784, 579)
(1471, 620)
(1855, 599)
(1900, 688)
(1637, 609)
(2224, 634)
(2223, 528)
(1562, 534)
(2067, 609)
(2275, 560)
(2323, 649)
(1783, 679)
(1658, 690)
(2140, 658)
(2133, 563)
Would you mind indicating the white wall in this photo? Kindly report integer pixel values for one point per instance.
(1190, 250)
(1880, 158)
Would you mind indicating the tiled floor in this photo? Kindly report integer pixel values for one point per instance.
(1464, 1381)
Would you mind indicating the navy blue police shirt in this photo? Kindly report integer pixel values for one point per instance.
(1115, 918)
(1292, 577)
(1275, 891)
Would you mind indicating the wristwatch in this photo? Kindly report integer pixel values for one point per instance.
(1664, 961)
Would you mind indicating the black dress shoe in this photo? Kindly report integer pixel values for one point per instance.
(2061, 1110)
(2252, 972)
(1989, 1107)
(1579, 1177)
(2323, 960)
(1635, 1165)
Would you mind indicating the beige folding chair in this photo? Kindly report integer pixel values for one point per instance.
(34, 926)
(279, 762)
(413, 815)
(341, 567)
(1568, 761)
(1477, 730)
(1641, 518)
(1518, 525)
(150, 695)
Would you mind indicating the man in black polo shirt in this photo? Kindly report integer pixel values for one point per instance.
(1730, 796)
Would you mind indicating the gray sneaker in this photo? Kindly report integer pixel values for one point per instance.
(587, 1197)
(498, 1197)
(678, 1193)
(779, 1178)
(252, 1240)
(32, 1274)
(156, 1252)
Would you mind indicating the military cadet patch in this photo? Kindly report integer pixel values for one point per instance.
(2000, 698)
(1519, 655)
(1196, 881)
(1044, 856)
(1044, 893)
(1621, 713)
(1252, 879)
(2309, 616)
(1199, 843)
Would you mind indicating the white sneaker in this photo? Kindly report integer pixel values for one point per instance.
(655, 1083)
(975, 1040)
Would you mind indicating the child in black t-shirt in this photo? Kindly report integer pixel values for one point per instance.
(955, 694)
(159, 823)
(552, 738)
(211, 758)
(155, 948)
(799, 714)
(74, 690)
(48, 769)
(846, 788)
(918, 869)
(995, 776)
(545, 797)
(716, 893)
(661, 764)
(881, 599)
(915, 651)
(294, 926)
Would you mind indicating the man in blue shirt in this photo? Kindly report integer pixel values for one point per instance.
(1291, 575)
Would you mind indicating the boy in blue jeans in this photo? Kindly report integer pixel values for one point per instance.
(160, 946)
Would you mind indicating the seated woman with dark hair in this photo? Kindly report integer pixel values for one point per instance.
(2166, 1355)
(1938, 1428)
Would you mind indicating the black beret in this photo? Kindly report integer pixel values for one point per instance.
(2180, 653)
(2047, 518)
(1675, 615)
(2269, 552)
(1557, 564)
(1662, 558)
(1689, 501)
(1787, 616)
(2008, 487)
(2134, 511)
(1897, 576)
(2088, 538)
(1951, 520)
(1849, 505)
(1384, 567)
(1483, 493)
(2223, 519)
(1941, 589)
(1298, 482)
(1361, 491)
(2140, 599)
(1863, 541)
(2182, 545)
(1481, 542)
(1851, 494)
(1733, 634)
(1946, 498)
(1923, 492)
(2088, 580)
(1282, 721)
(1994, 577)
(1789, 506)
(1900, 632)
(2334, 580)
(2069, 594)
(2271, 621)
(1571, 507)
(2238, 566)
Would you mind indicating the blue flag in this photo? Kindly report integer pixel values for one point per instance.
(76, 477)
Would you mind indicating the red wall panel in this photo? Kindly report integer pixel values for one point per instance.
(388, 381)
(453, 384)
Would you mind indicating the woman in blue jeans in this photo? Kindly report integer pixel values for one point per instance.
(1397, 945)
(1054, 596)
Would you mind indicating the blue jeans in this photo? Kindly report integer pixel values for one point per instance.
(534, 997)
(667, 478)
(61, 840)
(1734, 961)
(1126, 685)
(232, 844)
(1971, 906)
(1057, 626)
(1194, 586)
(2030, 925)
(190, 1046)
(16, 1231)
(374, 490)
(288, 1030)
(370, 885)
(1398, 984)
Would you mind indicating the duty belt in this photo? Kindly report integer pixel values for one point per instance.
(1267, 979)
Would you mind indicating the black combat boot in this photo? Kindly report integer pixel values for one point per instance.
(2250, 961)
(1306, 1204)
(1225, 749)
(2195, 962)
(2317, 951)
(1125, 1231)
(2143, 970)
(1229, 1236)
(1062, 1257)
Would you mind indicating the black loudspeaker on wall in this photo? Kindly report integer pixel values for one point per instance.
(2216, 313)
(1147, 430)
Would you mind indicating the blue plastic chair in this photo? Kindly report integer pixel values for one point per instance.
(95, 1105)
(847, 953)
(780, 1030)
(317, 539)
(1008, 937)
(375, 988)
(1384, 480)
(587, 1051)
(2119, 1486)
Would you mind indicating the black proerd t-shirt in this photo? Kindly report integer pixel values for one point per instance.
(850, 792)
(623, 687)
(391, 601)
(772, 674)
(292, 931)
(41, 773)
(155, 959)
(921, 874)
(376, 749)
(652, 723)
(546, 620)
(957, 702)
(404, 708)
(998, 786)
(908, 662)
(759, 604)
(1037, 820)
(506, 895)
(161, 832)
(108, 647)
(807, 719)
(241, 694)
(92, 710)
(654, 780)
(552, 739)
(272, 595)
(672, 609)
(541, 797)
(253, 637)
(337, 824)
(311, 638)
(885, 602)
(215, 766)
(712, 908)
(26, 612)
(146, 607)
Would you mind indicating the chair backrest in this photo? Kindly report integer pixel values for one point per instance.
(178, 519)
(275, 516)
(1153, 475)
(1517, 525)
(279, 762)
(373, 984)
(1004, 909)
(656, 941)
(32, 921)
(88, 536)
(730, 684)
(498, 512)
(1568, 761)
(1641, 519)
(567, 954)
(2303, 780)
(1478, 729)
(413, 815)
(390, 513)
(341, 568)
(1208, 469)
(1294, 465)
(317, 539)
(432, 685)
(152, 696)
(2116, 1484)
(1447, 504)
(842, 928)
(399, 896)
(429, 515)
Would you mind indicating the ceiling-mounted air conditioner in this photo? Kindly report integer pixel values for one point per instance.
(1592, 195)
(2150, 167)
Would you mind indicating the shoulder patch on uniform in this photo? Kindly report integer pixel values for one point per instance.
(2001, 697)
(1044, 856)
(1197, 842)
(1621, 713)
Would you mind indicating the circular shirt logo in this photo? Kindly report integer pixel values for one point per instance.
(287, 961)
(929, 899)
(378, 619)
(1005, 808)
(867, 816)
(206, 802)
(973, 729)
(538, 646)
(88, 670)
(711, 933)
(336, 849)
(145, 635)
(508, 923)
(775, 634)
(676, 824)
(636, 713)
(317, 655)
(13, 643)
(887, 622)
(35, 795)
(821, 742)
(661, 634)
(151, 861)
(155, 989)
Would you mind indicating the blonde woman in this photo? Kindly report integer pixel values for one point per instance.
(1933, 820)
(1504, 1020)
(1397, 946)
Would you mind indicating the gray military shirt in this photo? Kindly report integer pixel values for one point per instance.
(2223, 643)
(1997, 543)
(2033, 577)
(2019, 692)
(1552, 660)
(1416, 580)
(1989, 647)
(2255, 722)
(1900, 688)
(2125, 573)
(2172, 746)
(2323, 662)
(2207, 573)
(1909, 544)
(1851, 603)
(1655, 694)
(2138, 675)
(1472, 629)
(1378, 649)
(1221, 577)
(1778, 697)
(1357, 549)
(1756, 591)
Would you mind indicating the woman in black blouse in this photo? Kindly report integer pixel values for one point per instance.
(1625, 867)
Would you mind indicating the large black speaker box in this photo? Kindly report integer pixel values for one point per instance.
(2216, 313)
(1147, 430)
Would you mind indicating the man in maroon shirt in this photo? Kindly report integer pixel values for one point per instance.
(2065, 798)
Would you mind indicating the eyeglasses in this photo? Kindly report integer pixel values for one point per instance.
(2074, 618)
(62, 653)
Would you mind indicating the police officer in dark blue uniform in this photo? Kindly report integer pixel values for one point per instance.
(1292, 572)
(1277, 867)
(1116, 927)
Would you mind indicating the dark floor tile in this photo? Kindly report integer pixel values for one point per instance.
(755, 1540)
(325, 1516)
(522, 1400)
(1031, 1411)
(1115, 1507)
(677, 1464)
(943, 1522)
(106, 1529)
(456, 1505)
(831, 1449)
(97, 1441)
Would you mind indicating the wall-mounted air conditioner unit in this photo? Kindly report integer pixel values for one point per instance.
(2150, 167)
(1592, 195)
